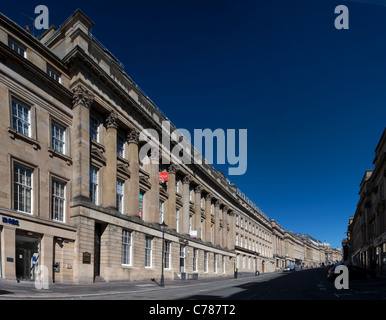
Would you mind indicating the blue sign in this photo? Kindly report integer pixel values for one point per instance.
(11, 221)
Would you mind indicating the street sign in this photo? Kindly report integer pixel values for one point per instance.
(163, 176)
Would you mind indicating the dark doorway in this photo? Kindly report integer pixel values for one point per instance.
(99, 228)
(27, 257)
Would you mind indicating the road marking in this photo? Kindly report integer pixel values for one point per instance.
(321, 287)
(343, 294)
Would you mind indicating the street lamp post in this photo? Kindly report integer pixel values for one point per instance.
(255, 263)
(163, 225)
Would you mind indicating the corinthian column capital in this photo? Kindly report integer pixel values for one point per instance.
(82, 96)
(112, 120)
(198, 188)
(173, 168)
(133, 136)
(187, 179)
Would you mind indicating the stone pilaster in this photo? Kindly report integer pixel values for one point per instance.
(224, 227)
(110, 177)
(46, 254)
(208, 204)
(216, 235)
(80, 142)
(171, 215)
(231, 234)
(185, 209)
(133, 194)
(8, 250)
(197, 210)
(154, 191)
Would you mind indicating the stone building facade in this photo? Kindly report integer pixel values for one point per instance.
(366, 234)
(79, 198)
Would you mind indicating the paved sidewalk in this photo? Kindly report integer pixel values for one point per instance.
(12, 290)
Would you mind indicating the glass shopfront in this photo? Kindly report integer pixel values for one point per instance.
(27, 257)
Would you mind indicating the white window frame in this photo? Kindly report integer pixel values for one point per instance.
(59, 139)
(167, 254)
(19, 118)
(195, 259)
(177, 220)
(54, 74)
(17, 47)
(58, 200)
(127, 238)
(183, 257)
(120, 195)
(148, 252)
(94, 185)
(161, 211)
(121, 142)
(23, 187)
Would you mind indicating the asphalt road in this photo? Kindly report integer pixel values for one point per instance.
(309, 284)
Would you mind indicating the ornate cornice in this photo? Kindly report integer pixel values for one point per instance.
(82, 96)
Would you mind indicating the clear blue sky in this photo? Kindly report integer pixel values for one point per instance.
(312, 97)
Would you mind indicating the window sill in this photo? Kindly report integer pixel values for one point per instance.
(54, 153)
(17, 135)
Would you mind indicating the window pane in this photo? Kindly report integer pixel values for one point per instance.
(58, 138)
(58, 200)
(94, 185)
(120, 196)
(120, 145)
(94, 129)
(126, 247)
(22, 189)
(20, 118)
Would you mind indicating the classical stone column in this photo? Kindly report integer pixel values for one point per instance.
(154, 190)
(220, 227)
(208, 219)
(231, 235)
(224, 227)
(110, 182)
(185, 208)
(216, 226)
(171, 215)
(133, 194)
(197, 210)
(8, 250)
(80, 142)
(46, 254)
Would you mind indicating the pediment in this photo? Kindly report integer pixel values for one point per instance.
(98, 155)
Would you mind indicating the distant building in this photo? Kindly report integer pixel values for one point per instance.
(366, 233)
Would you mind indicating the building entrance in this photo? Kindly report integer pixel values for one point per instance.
(27, 257)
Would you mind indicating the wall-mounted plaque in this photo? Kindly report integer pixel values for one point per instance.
(86, 258)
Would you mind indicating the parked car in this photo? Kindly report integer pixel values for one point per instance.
(354, 273)
(331, 272)
(288, 268)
